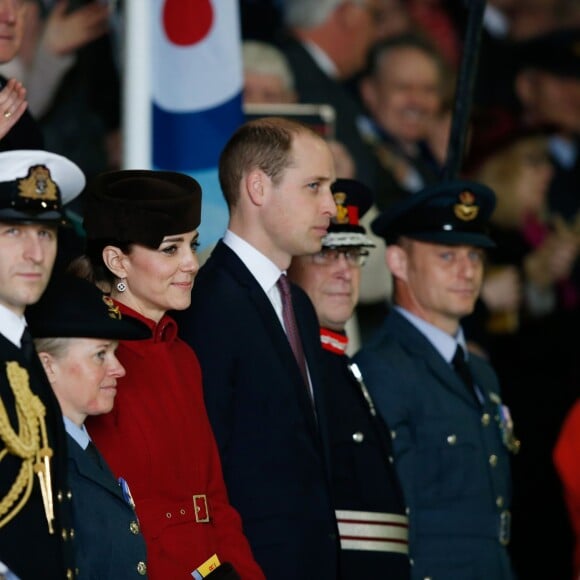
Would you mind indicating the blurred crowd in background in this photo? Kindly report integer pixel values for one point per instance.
(389, 69)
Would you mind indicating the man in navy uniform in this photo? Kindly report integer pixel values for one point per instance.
(35, 531)
(451, 432)
(370, 509)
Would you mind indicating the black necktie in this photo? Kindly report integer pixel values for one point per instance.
(26, 345)
(93, 453)
(462, 369)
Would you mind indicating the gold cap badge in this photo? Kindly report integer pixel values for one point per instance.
(466, 210)
(341, 211)
(38, 184)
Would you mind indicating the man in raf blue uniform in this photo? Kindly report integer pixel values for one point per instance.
(451, 433)
(370, 509)
(35, 517)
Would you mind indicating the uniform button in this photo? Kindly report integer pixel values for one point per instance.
(60, 496)
(493, 460)
(72, 533)
(391, 459)
(407, 510)
(69, 574)
(69, 494)
(168, 515)
(393, 434)
(427, 578)
(411, 561)
(358, 437)
(499, 501)
(134, 528)
(64, 534)
(452, 439)
(142, 568)
(485, 419)
(182, 511)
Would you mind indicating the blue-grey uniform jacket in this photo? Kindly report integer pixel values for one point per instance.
(108, 541)
(449, 453)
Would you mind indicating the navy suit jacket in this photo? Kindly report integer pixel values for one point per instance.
(26, 546)
(449, 453)
(108, 540)
(271, 443)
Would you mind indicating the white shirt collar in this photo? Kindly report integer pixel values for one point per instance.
(11, 325)
(262, 268)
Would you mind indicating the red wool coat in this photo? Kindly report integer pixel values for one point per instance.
(159, 439)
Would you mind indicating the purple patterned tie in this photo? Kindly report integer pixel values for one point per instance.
(291, 327)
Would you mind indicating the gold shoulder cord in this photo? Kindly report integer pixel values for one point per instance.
(26, 445)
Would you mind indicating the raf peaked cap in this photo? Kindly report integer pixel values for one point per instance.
(35, 185)
(449, 213)
(557, 52)
(353, 199)
(141, 206)
(72, 307)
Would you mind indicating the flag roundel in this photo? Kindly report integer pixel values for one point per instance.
(196, 81)
(196, 57)
(187, 22)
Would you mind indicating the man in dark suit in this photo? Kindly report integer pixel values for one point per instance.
(35, 519)
(326, 45)
(451, 432)
(260, 367)
(370, 508)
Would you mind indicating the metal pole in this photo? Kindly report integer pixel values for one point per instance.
(464, 90)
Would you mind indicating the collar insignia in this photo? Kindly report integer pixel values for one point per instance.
(466, 210)
(38, 184)
(114, 311)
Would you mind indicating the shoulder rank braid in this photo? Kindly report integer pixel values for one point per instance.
(25, 444)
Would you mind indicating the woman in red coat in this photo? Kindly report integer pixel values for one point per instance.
(141, 240)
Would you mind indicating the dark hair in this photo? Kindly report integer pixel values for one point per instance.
(264, 144)
(91, 266)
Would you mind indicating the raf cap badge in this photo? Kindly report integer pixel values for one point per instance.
(466, 210)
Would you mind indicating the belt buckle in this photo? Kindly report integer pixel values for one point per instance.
(200, 508)
(505, 523)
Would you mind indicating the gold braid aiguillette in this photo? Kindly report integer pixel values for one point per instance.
(30, 443)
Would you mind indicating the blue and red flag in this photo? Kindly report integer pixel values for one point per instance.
(196, 91)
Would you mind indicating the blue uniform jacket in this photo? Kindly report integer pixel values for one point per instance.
(271, 444)
(449, 453)
(108, 540)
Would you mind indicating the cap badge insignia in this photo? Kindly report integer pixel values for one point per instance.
(341, 210)
(114, 311)
(466, 210)
(38, 184)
